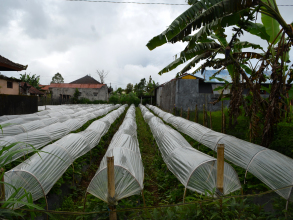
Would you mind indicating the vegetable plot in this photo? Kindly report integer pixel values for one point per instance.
(194, 169)
(272, 168)
(39, 173)
(128, 167)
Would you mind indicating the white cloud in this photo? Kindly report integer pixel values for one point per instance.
(77, 38)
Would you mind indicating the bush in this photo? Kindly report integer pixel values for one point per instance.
(129, 99)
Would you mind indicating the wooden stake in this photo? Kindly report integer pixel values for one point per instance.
(224, 124)
(2, 189)
(196, 115)
(222, 130)
(220, 167)
(211, 125)
(181, 112)
(111, 188)
(188, 113)
(203, 122)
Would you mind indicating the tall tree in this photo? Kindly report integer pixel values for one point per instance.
(140, 88)
(33, 80)
(57, 78)
(129, 88)
(102, 74)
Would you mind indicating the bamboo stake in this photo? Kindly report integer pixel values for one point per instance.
(181, 112)
(224, 124)
(188, 113)
(222, 130)
(196, 115)
(203, 122)
(2, 193)
(211, 125)
(220, 167)
(111, 188)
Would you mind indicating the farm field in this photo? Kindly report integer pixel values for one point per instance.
(163, 192)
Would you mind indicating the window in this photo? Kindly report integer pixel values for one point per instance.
(9, 85)
(95, 93)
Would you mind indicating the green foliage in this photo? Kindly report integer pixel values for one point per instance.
(129, 99)
(57, 78)
(129, 88)
(75, 95)
(33, 80)
(140, 88)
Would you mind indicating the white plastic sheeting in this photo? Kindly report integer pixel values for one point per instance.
(272, 168)
(39, 173)
(40, 137)
(30, 117)
(47, 120)
(194, 169)
(128, 167)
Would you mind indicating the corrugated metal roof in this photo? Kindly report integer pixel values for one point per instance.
(79, 86)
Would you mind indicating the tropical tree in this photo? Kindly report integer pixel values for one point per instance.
(57, 78)
(212, 17)
(140, 88)
(33, 80)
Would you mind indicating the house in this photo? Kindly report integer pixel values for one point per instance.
(9, 85)
(87, 86)
(27, 89)
(189, 91)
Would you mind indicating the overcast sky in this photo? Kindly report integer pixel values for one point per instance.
(78, 38)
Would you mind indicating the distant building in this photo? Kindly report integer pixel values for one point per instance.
(27, 89)
(9, 86)
(87, 86)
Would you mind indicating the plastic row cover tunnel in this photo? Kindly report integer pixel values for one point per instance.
(39, 173)
(18, 119)
(40, 137)
(194, 169)
(46, 121)
(128, 167)
(272, 168)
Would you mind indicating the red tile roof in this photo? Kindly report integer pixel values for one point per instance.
(44, 87)
(79, 86)
(31, 90)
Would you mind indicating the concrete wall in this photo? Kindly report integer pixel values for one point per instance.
(185, 93)
(167, 101)
(91, 94)
(159, 95)
(18, 104)
(10, 91)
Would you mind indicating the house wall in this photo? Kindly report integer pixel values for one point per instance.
(186, 95)
(167, 101)
(159, 95)
(91, 94)
(9, 91)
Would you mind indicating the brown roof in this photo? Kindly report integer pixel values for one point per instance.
(31, 90)
(44, 87)
(86, 80)
(70, 85)
(9, 78)
(7, 65)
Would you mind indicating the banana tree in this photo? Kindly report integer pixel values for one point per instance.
(208, 16)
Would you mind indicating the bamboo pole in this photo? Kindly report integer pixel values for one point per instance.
(181, 112)
(222, 130)
(196, 115)
(220, 167)
(111, 188)
(211, 125)
(2, 194)
(203, 115)
(188, 113)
